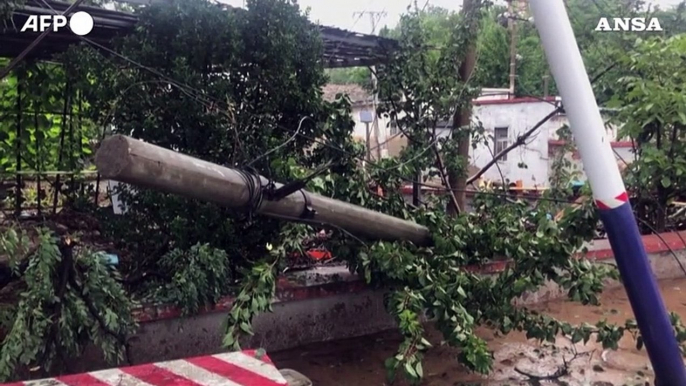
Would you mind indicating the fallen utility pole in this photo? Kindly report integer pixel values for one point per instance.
(135, 162)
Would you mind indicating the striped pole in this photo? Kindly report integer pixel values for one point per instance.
(567, 67)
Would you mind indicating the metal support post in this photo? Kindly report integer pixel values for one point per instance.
(609, 193)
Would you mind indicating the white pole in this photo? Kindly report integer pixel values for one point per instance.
(569, 72)
(567, 67)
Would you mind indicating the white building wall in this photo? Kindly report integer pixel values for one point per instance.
(610, 129)
(622, 154)
(519, 116)
(529, 162)
(360, 130)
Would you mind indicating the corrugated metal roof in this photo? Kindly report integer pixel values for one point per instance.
(341, 48)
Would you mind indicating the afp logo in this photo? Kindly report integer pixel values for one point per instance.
(637, 24)
(80, 23)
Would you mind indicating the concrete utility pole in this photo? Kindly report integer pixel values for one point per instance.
(374, 18)
(131, 161)
(463, 118)
(569, 73)
(513, 9)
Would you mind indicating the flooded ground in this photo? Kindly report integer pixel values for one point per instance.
(359, 362)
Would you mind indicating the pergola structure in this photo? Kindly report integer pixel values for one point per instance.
(341, 48)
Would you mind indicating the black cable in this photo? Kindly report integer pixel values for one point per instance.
(410, 180)
(647, 225)
(253, 182)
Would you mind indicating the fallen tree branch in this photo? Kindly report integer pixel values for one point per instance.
(66, 249)
(562, 371)
(119, 337)
(444, 177)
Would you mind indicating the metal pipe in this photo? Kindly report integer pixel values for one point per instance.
(567, 67)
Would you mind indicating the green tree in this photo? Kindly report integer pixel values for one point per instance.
(422, 85)
(226, 87)
(354, 75)
(652, 113)
(493, 51)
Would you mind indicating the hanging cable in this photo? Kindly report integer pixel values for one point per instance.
(253, 183)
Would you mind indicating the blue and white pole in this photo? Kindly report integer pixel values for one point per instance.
(567, 67)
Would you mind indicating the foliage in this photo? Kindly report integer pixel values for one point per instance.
(199, 277)
(240, 88)
(493, 50)
(434, 281)
(43, 131)
(424, 89)
(652, 105)
(42, 120)
(243, 89)
(355, 75)
(69, 299)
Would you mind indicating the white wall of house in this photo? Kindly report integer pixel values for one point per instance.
(515, 117)
(623, 154)
(512, 118)
(611, 130)
(360, 130)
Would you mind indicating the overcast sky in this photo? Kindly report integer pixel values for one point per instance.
(339, 13)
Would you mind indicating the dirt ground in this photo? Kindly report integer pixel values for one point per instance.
(359, 362)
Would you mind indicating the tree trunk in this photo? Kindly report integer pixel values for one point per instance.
(462, 120)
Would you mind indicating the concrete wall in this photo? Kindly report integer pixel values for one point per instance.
(326, 304)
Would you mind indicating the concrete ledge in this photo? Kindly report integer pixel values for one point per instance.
(330, 303)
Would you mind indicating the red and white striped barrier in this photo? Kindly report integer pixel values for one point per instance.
(232, 369)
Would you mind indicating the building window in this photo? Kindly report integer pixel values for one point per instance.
(394, 127)
(500, 140)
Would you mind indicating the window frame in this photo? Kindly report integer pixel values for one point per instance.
(501, 142)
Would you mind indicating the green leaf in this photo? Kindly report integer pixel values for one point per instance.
(666, 182)
(246, 328)
(419, 370)
(410, 370)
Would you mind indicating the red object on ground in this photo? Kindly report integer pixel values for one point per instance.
(319, 255)
(244, 368)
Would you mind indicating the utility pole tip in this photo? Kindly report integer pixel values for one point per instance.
(113, 156)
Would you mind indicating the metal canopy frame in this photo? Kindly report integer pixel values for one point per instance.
(341, 48)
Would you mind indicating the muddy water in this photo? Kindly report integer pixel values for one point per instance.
(359, 362)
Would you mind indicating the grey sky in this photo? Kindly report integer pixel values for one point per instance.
(339, 13)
